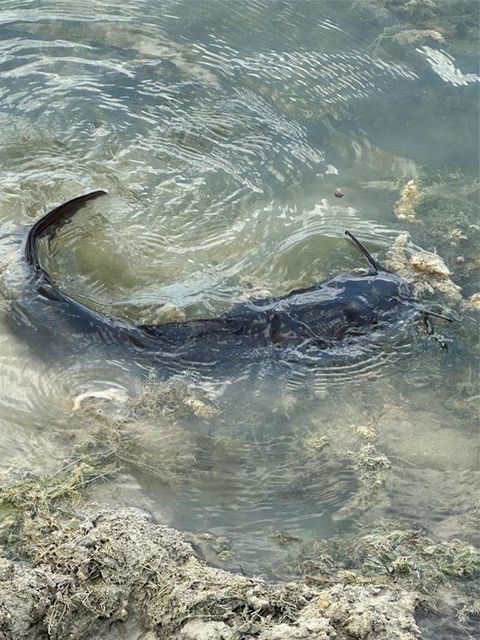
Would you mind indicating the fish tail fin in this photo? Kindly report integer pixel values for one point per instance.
(51, 222)
(374, 263)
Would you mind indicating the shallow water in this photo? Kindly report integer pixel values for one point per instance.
(221, 132)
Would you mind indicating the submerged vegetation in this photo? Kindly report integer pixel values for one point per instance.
(145, 433)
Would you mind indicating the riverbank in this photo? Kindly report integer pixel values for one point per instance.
(76, 570)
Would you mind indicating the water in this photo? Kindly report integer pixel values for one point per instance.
(221, 131)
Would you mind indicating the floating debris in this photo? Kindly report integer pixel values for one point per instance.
(317, 442)
(200, 408)
(366, 433)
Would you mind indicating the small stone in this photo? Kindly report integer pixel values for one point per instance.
(339, 193)
(460, 260)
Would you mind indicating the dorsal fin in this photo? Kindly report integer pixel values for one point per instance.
(53, 220)
(374, 263)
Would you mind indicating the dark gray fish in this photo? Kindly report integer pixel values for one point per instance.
(341, 311)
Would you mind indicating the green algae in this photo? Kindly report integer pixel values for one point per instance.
(30, 507)
(441, 572)
(92, 569)
(411, 556)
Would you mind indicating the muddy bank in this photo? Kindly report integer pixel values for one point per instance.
(70, 570)
(102, 573)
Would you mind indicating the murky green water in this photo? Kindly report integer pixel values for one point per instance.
(221, 131)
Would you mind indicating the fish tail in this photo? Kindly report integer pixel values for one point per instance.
(48, 224)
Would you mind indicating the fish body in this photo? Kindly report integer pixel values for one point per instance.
(341, 311)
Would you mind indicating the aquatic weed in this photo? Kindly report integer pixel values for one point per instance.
(29, 508)
(411, 556)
